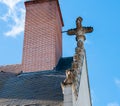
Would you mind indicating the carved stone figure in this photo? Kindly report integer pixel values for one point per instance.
(79, 51)
(80, 44)
(76, 58)
(69, 77)
(75, 65)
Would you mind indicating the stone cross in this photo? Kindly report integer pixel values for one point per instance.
(73, 75)
(80, 30)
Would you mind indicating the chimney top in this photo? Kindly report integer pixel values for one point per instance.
(29, 2)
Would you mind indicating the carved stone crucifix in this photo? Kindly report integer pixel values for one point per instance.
(80, 30)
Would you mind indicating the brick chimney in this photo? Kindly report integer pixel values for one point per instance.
(42, 39)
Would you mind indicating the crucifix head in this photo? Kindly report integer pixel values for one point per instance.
(78, 22)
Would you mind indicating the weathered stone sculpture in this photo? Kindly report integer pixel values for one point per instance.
(69, 77)
(73, 75)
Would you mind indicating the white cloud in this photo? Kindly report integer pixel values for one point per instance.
(14, 17)
(10, 3)
(117, 82)
(113, 104)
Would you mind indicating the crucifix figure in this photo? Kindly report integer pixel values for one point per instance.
(80, 30)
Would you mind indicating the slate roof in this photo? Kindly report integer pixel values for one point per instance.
(35, 88)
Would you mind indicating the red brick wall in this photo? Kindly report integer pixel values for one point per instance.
(42, 40)
(14, 68)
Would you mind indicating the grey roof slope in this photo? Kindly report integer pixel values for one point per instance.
(33, 89)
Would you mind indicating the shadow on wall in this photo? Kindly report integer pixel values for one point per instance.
(64, 63)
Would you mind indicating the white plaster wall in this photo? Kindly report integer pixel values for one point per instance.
(84, 98)
(68, 96)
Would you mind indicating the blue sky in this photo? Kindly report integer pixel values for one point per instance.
(102, 46)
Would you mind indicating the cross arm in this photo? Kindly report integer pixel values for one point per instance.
(88, 29)
(71, 32)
